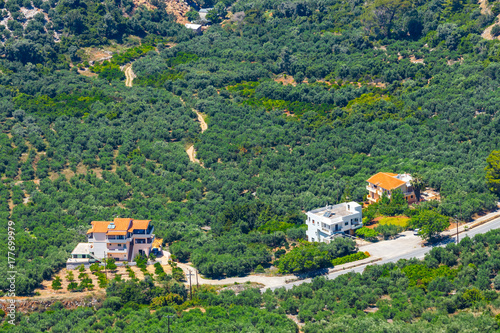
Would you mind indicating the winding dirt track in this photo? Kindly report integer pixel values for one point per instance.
(203, 124)
(192, 155)
(190, 150)
(129, 75)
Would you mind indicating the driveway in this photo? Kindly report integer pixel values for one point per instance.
(405, 243)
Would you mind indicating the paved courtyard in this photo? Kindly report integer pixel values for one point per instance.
(405, 243)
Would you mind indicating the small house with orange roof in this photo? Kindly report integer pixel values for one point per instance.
(387, 182)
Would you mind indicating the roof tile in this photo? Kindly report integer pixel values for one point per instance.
(386, 180)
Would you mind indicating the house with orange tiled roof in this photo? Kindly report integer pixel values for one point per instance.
(387, 182)
(122, 239)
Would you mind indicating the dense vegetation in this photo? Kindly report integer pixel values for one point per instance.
(76, 148)
(453, 289)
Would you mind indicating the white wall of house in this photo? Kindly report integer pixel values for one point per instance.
(320, 227)
(99, 245)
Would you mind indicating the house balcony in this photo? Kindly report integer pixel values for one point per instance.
(120, 241)
(378, 191)
(141, 236)
(117, 250)
(332, 230)
(144, 233)
(144, 241)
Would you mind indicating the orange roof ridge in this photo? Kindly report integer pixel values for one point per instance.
(386, 180)
(139, 224)
(121, 225)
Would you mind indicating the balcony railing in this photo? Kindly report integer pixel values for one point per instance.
(140, 236)
(121, 241)
(118, 250)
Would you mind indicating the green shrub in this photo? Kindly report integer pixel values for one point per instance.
(56, 283)
(259, 269)
(388, 230)
(495, 31)
(496, 282)
(367, 233)
(350, 258)
(311, 256)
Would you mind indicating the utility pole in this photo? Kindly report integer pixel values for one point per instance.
(105, 265)
(190, 289)
(168, 321)
(197, 284)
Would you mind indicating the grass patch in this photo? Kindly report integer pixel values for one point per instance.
(401, 221)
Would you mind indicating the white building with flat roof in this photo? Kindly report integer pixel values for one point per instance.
(325, 223)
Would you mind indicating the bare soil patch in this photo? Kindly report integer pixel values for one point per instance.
(285, 80)
(414, 60)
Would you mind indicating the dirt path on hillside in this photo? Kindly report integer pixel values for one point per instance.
(204, 126)
(129, 75)
(483, 4)
(192, 155)
(485, 10)
(190, 149)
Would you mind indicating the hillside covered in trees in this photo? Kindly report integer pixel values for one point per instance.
(304, 100)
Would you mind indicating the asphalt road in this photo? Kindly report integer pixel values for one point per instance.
(417, 253)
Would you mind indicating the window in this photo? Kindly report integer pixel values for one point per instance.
(140, 241)
(119, 245)
(313, 222)
(346, 222)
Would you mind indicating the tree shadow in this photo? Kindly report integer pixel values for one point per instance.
(440, 241)
(312, 274)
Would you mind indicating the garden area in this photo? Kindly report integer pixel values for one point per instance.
(389, 217)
